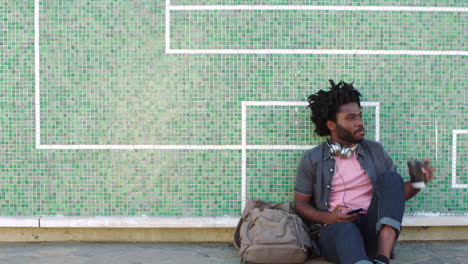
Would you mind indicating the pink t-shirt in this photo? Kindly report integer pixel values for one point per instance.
(350, 176)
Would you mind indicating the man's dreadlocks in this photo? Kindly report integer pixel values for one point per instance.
(326, 104)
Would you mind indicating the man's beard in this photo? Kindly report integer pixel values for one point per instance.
(347, 136)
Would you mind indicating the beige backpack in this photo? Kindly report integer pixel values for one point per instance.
(271, 233)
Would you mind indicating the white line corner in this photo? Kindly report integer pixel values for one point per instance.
(454, 158)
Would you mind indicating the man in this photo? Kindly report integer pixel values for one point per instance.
(348, 172)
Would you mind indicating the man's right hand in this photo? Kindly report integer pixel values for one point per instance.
(306, 211)
(336, 215)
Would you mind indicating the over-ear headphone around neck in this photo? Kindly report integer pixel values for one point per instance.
(344, 152)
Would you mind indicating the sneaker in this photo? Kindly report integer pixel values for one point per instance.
(381, 260)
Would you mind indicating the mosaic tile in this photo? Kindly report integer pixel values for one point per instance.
(106, 79)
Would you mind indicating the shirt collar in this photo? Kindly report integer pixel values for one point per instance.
(361, 151)
(326, 151)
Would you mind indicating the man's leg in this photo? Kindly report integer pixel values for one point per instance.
(382, 223)
(343, 243)
(387, 239)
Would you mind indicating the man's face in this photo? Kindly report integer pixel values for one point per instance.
(349, 124)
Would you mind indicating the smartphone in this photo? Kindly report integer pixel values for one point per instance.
(354, 211)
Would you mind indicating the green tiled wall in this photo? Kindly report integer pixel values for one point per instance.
(106, 79)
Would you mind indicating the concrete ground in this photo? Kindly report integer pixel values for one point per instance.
(199, 253)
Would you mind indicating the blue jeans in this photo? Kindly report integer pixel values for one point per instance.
(356, 242)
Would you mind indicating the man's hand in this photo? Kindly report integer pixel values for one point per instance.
(337, 216)
(306, 211)
(427, 170)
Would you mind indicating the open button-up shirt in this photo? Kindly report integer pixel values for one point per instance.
(316, 169)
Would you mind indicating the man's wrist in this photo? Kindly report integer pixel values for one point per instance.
(410, 191)
(418, 185)
(328, 218)
(414, 187)
(414, 190)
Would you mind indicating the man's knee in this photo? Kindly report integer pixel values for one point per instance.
(391, 179)
(342, 230)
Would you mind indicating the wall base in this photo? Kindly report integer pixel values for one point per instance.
(42, 234)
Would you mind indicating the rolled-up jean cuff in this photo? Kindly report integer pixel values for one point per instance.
(363, 262)
(390, 222)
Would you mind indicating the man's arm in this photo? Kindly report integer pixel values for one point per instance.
(410, 192)
(306, 211)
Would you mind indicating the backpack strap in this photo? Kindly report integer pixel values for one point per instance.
(236, 236)
(249, 206)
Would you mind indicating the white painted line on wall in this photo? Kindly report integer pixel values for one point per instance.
(277, 147)
(377, 122)
(130, 147)
(37, 105)
(376, 104)
(283, 147)
(316, 7)
(168, 26)
(242, 147)
(293, 103)
(275, 103)
(244, 155)
(320, 51)
(454, 158)
(173, 147)
(298, 103)
(436, 141)
(170, 7)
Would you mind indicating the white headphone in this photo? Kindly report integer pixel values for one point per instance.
(344, 152)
